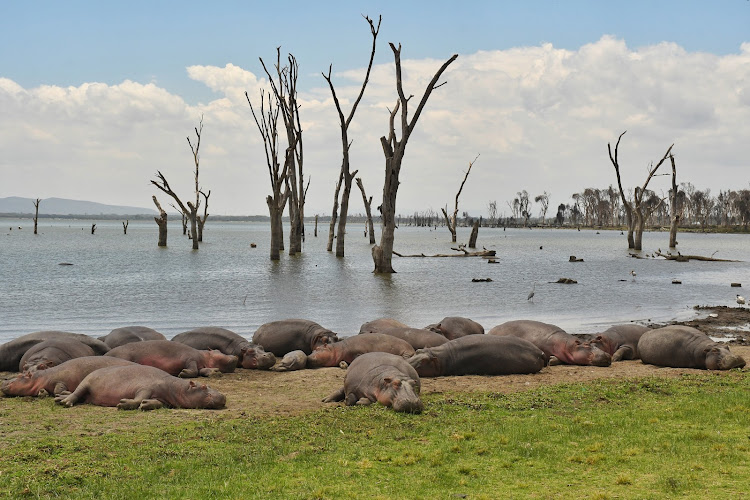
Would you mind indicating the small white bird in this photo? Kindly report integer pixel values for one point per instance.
(740, 299)
(632, 273)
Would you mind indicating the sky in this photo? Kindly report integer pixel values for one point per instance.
(96, 97)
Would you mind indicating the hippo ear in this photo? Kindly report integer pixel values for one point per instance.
(598, 338)
(191, 384)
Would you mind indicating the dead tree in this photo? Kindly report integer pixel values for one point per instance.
(674, 214)
(634, 212)
(285, 91)
(474, 234)
(195, 221)
(346, 176)
(316, 225)
(334, 212)
(36, 213)
(93, 228)
(268, 127)
(368, 210)
(191, 210)
(393, 150)
(202, 220)
(450, 222)
(184, 218)
(161, 221)
(125, 226)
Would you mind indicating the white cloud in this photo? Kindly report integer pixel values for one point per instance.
(539, 116)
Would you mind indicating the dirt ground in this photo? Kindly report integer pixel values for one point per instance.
(264, 393)
(255, 393)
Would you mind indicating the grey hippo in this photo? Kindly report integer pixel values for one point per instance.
(685, 347)
(287, 335)
(453, 327)
(175, 358)
(380, 377)
(351, 347)
(128, 334)
(250, 355)
(12, 352)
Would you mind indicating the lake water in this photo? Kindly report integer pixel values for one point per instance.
(119, 280)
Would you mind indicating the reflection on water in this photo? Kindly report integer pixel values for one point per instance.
(119, 280)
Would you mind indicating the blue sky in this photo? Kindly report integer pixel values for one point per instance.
(73, 44)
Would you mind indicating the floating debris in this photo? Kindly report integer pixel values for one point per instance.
(566, 281)
(736, 285)
(65, 264)
(676, 282)
(573, 258)
(481, 280)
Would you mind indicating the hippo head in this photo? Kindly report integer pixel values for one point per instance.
(401, 394)
(202, 396)
(322, 356)
(323, 338)
(425, 363)
(226, 363)
(254, 357)
(19, 385)
(603, 343)
(718, 357)
(585, 353)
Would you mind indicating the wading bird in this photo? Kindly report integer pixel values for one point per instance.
(531, 293)
(740, 300)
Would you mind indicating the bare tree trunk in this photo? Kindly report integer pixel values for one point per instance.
(184, 223)
(316, 226)
(639, 192)
(451, 223)
(474, 234)
(125, 226)
(36, 213)
(93, 228)
(347, 176)
(674, 218)
(368, 210)
(334, 212)
(393, 150)
(276, 229)
(161, 221)
(202, 220)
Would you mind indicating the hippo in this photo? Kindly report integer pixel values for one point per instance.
(176, 358)
(12, 352)
(418, 338)
(685, 347)
(479, 355)
(453, 327)
(382, 377)
(52, 352)
(128, 334)
(554, 342)
(295, 360)
(212, 337)
(351, 347)
(60, 379)
(619, 341)
(378, 325)
(281, 337)
(143, 387)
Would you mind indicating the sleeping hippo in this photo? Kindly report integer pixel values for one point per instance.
(620, 341)
(479, 355)
(53, 352)
(176, 358)
(380, 377)
(12, 352)
(281, 337)
(60, 379)
(128, 334)
(351, 347)
(143, 387)
(685, 347)
(212, 337)
(453, 327)
(380, 324)
(555, 342)
(295, 360)
(419, 338)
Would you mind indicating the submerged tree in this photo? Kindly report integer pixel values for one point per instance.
(36, 213)
(674, 214)
(191, 210)
(284, 89)
(393, 150)
(451, 221)
(161, 221)
(543, 199)
(268, 128)
(346, 176)
(368, 210)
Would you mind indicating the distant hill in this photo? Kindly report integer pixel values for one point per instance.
(60, 206)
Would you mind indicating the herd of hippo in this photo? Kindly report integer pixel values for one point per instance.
(137, 367)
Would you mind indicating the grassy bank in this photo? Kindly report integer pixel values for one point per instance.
(643, 438)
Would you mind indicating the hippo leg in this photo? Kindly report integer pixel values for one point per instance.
(43, 393)
(150, 404)
(72, 398)
(351, 399)
(364, 401)
(623, 352)
(553, 361)
(60, 389)
(190, 370)
(138, 399)
(210, 372)
(335, 396)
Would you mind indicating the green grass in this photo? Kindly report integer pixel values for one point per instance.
(687, 437)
